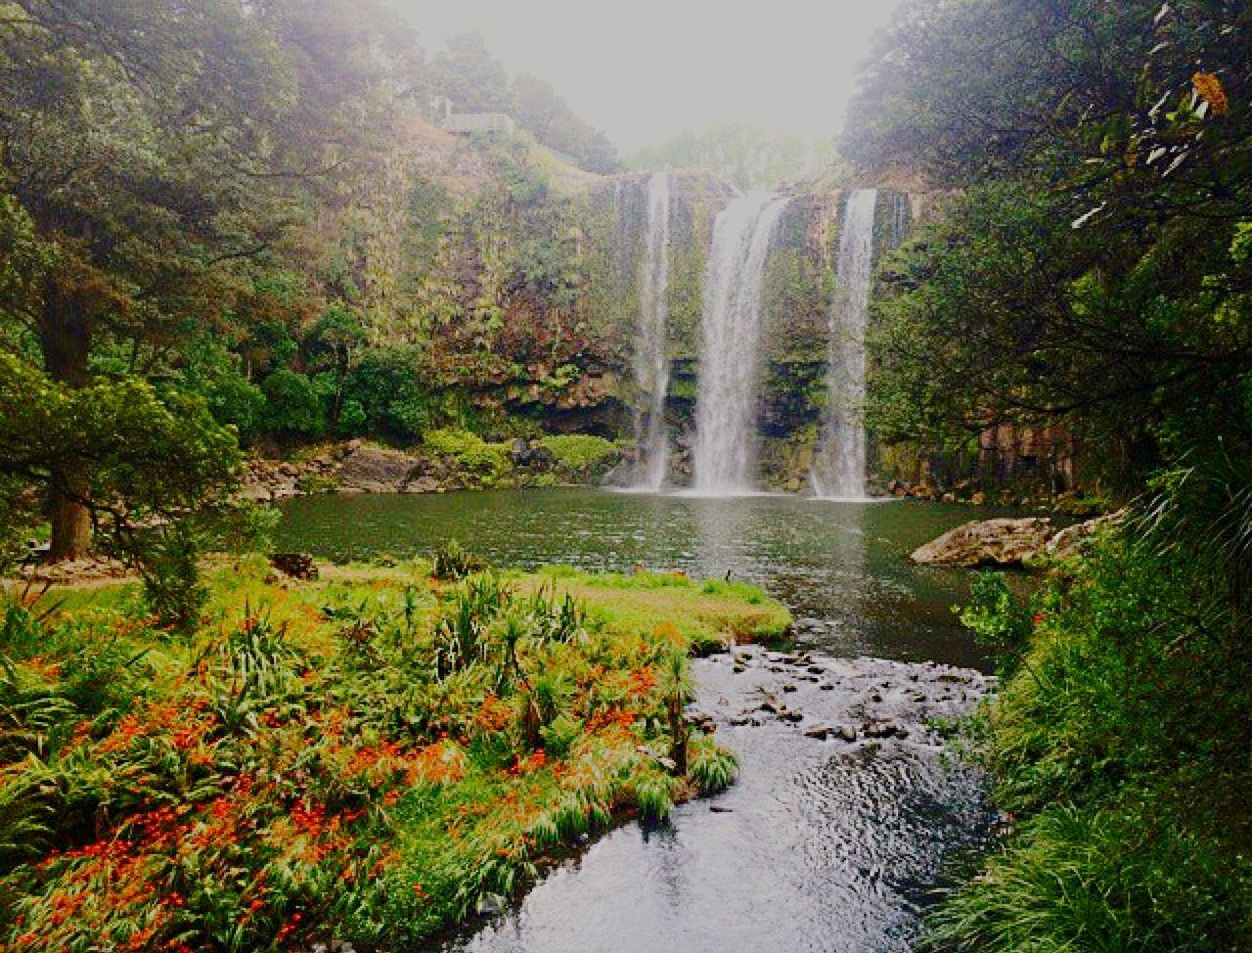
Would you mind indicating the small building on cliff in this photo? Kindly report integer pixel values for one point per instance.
(496, 125)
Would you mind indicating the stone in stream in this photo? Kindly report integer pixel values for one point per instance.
(999, 542)
(882, 729)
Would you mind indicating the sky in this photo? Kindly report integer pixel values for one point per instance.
(645, 70)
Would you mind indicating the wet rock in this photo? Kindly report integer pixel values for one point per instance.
(1074, 540)
(370, 469)
(880, 729)
(999, 542)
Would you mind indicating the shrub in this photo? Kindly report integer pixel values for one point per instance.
(469, 451)
(293, 405)
(1119, 745)
(452, 561)
(581, 455)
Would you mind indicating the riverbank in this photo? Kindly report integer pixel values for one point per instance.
(1118, 747)
(847, 811)
(365, 757)
(446, 461)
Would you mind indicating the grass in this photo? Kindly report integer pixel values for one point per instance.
(366, 757)
(1119, 746)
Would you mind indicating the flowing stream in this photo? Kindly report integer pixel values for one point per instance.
(730, 355)
(847, 812)
(651, 359)
(839, 472)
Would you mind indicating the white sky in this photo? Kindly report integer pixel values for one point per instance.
(644, 70)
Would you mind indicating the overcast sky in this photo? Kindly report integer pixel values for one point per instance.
(644, 70)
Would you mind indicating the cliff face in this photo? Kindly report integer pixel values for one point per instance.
(515, 281)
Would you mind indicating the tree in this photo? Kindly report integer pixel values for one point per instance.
(741, 154)
(160, 149)
(1091, 271)
(147, 456)
(468, 75)
(537, 106)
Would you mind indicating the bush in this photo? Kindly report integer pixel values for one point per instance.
(169, 566)
(470, 452)
(1119, 744)
(581, 455)
(452, 561)
(293, 405)
(215, 374)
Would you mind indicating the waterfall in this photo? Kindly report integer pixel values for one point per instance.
(726, 403)
(651, 358)
(840, 469)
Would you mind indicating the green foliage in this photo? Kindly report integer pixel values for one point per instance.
(581, 456)
(1123, 877)
(301, 769)
(536, 105)
(713, 768)
(999, 620)
(213, 373)
(1119, 746)
(169, 565)
(453, 561)
(293, 405)
(1047, 295)
(468, 450)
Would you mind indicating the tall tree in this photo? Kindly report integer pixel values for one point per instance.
(160, 149)
(1093, 269)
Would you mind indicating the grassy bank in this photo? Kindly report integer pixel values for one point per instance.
(1121, 747)
(364, 757)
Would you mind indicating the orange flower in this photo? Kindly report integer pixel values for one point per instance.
(1209, 88)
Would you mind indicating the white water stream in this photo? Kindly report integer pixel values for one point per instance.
(730, 364)
(651, 357)
(839, 472)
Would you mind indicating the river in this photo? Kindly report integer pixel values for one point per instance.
(847, 813)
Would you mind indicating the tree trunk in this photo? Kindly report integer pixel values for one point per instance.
(70, 518)
(65, 337)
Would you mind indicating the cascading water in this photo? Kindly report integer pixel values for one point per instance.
(651, 360)
(840, 469)
(726, 412)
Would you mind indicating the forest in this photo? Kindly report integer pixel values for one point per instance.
(411, 500)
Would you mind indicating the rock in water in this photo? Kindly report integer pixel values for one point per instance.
(1074, 540)
(1000, 542)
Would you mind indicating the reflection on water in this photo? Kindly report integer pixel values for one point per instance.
(842, 567)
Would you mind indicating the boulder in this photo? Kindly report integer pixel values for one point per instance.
(1073, 540)
(999, 542)
(370, 469)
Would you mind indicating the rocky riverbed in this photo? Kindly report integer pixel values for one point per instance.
(847, 813)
